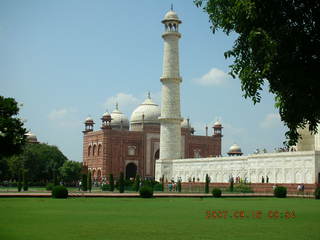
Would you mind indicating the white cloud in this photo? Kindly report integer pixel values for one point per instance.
(64, 117)
(215, 77)
(271, 120)
(124, 100)
(58, 114)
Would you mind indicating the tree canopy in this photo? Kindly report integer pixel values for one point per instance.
(279, 43)
(70, 171)
(41, 161)
(12, 132)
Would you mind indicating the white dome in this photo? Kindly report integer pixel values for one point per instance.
(171, 15)
(117, 117)
(235, 148)
(149, 109)
(31, 137)
(106, 114)
(217, 123)
(89, 119)
(184, 123)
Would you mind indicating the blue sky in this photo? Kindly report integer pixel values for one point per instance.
(67, 59)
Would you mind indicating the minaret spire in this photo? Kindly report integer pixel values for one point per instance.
(170, 119)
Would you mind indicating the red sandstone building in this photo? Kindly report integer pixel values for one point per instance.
(133, 147)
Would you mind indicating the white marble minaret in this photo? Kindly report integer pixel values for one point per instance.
(170, 119)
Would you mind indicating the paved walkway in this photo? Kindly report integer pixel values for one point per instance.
(127, 195)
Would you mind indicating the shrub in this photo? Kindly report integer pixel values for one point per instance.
(59, 192)
(179, 186)
(19, 186)
(317, 193)
(105, 187)
(121, 183)
(146, 191)
(137, 183)
(280, 192)
(49, 186)
(231, 184)
(25, 181)
(89, 182)
(111, 182)
(206, 189)
(84, 184)
(162, 183)
(216, 192)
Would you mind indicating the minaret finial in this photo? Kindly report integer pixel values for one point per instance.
(171, 6)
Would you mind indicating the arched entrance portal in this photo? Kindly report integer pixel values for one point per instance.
(131, 171)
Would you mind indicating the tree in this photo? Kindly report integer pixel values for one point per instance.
(12, 132)
(137, 183)
(206, 188)
(25, 180)
(89, 181)
(70, 172)
(162, 183)
(279, 43)
(121, 183)
(42, 162)
(84, 184)
(111, 182)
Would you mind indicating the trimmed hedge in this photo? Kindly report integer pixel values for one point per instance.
(317, 193)
(146, 192)
(280, 192)
(59, 192)
(216, 192)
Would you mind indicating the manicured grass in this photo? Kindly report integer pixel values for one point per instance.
(158, 218)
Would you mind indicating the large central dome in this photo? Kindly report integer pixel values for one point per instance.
(149, 109)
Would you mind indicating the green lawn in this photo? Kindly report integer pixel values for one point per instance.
(159, 218)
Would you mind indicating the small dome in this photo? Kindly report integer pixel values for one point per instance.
(217, 124)
(235, 148)
(106, 114)
(31, 137)
(184, 123)
(149, 109)
(171, 15)
(89, 120)
(117, 117)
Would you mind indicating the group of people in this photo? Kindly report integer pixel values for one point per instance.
(300, 187)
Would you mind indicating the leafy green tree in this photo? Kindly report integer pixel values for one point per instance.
(121, 183)
(70, 172)
(12, 132)
(89, 181)
(42, 162)
(278, 43)
(111, 182)
(206, 188)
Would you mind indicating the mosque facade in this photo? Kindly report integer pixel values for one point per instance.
(158, 143)
(133, 146)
